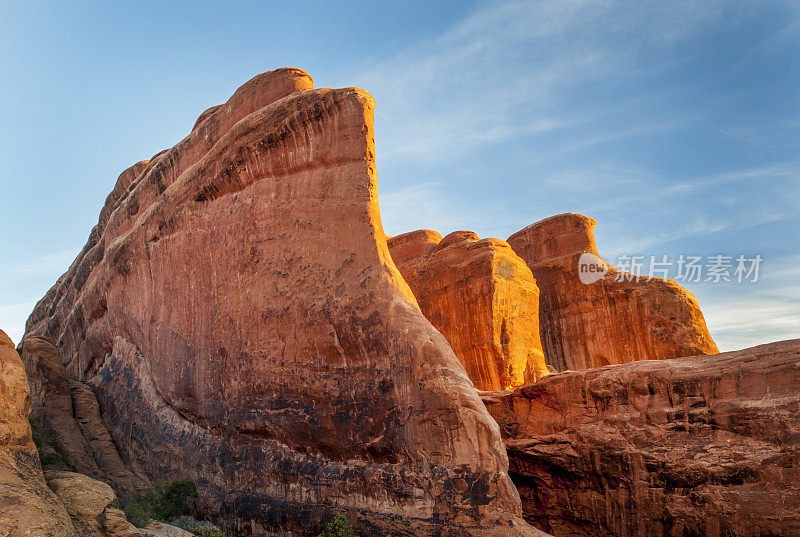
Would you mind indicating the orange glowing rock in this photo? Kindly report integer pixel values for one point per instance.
(238, 314)
(482, 297)
(27, 506)
(604, 321)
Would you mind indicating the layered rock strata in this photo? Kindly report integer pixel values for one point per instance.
(609, 320)
(483, 299)
(238, 314)
(706, 446)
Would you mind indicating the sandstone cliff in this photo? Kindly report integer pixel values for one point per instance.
(706, 446)
(483, 299)
(27, 506)
(608, 321)
(240, 319)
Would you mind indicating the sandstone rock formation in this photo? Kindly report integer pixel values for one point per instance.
(89, 503)
(238, 314)
(115, 524)
(27, 506)
(85, 499)
(608, 321)
(159, 529)
(706, 446)
(481, 297)
(68, 412)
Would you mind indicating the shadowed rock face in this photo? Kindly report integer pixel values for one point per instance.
(706, 446)
(240, 318)
(68, 412)
(608, 321)
(27, 506)
(483, 299)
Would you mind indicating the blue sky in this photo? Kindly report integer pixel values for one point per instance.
(675, 124)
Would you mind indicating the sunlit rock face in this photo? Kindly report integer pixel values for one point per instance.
(27, 506)
(482, 297)
(706, 446)
(604, 321)
(240, 318)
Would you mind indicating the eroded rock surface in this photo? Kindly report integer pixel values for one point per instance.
(90, 504)
(115, 524)
(585, 325)
(238, 313)
(84, 498)
(483, 299)
(159, 529)
(67, 411)
(706, 446)
(27, 506)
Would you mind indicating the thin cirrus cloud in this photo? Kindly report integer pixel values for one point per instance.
(12, 319)
(634, 113)
(22, 281)
(497, 74)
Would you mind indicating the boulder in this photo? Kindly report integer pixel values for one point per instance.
(483, 299)
(238, 315)
(27, 507)
(160, 529)
(610, 319)
(706, 446)
(82, 496)
(89, 503)
(115, 524)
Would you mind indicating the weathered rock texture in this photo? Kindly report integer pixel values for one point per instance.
(702, 446)
(483, 299)
(159, 529)
(67, 411)
(238, 313)
(84, 498)
(606, 322)
(27, 506)
(89, 503)
(115, 524)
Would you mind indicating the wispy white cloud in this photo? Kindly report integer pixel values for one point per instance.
(738, 321)
(495, 75)
(23, 281)
(13, 317)
(55, 262)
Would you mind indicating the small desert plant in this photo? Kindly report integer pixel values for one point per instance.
(208, 530)
(198, 527)
(161, 503)
(185, 522)
(137, 513)
(38, 438)
(53, 458)
(338, 527)
(175, 501)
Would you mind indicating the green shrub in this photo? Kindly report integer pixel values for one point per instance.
(53, 458)
(185, 522)
(209, 530)
(162, 503)
(197, 527)
(338, 527)
(38, 438)
(137, 514)
(175, 501)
